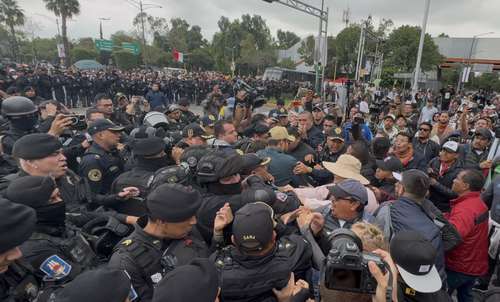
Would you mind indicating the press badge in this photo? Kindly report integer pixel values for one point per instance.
(55, 268)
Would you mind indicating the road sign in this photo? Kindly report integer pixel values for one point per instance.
(104, 45)
(132, 47)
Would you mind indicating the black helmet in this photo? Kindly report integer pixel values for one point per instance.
(15, 106)
(217, 165)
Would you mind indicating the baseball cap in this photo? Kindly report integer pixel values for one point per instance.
(415, 259)
(282, 112)
(194, 130)
(390, 163)
(253, 226)
(101, 124)
(279, 133)
(335, 133)
(350, 188)
(172, 108)
(252, 161)
(391, 116)
(208, 120)
(484, 133)
(450, 146)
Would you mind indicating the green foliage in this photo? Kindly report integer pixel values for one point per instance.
(402, 47)
(286, 39)
(40, 48)
(121, 36)
(80, 53)
(306, 50)
(125, 60)
(346, 48)
(157, 57)
(488, 81)
(12, 15)
(201, 59)
(449, 76)
(87, 43)
(287, 63)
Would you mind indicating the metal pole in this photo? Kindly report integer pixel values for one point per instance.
(325, 61)
(318, 53)
(358, 63)
(100, 29)
(143, 35)
(420, 47)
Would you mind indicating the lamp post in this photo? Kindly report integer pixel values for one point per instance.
(100, 26)
(142, 7)
(420, 47)
(466, 71)
(322, 15)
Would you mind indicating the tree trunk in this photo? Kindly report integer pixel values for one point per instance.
(14, 43)
(67, 59)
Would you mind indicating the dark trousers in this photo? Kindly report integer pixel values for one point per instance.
(462, 283)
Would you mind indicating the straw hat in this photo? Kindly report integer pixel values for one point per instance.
(347, 166)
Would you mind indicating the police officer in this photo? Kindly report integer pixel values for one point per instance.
(162, 240)
(102, 163)
(41, 154)
(257, 261)
(17, 282)
(187, 117)
(56, 250)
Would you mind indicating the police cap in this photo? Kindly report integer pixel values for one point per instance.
(173, 203)
(253, 227)
(217, 165)
(36, 146)
(33, 191)
(17, 223)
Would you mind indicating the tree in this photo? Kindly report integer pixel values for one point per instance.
(286, 39)
(157, 56)
(287, 63)
(346, 48)
(306, 50)
(201, 59)
(257, 27)
(443, 35)
(12, 15)
(125, 59)
(402, 46)
(121, 36)
(80, 53)
(65, 9)
(87, 43)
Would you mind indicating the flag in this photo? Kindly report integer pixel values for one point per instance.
(178, 56)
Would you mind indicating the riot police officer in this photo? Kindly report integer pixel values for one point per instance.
(162, 240)
(257, 261)
(17, 281)
(23, 118)
(57, 250)
(102, 163)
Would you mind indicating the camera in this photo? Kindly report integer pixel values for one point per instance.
(254, 96)
(346, 267)
(77, 122)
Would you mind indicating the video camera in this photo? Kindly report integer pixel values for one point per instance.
(346, 267)
(254, 96)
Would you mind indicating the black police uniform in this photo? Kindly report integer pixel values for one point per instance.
(252, 278)
(18, 283)
(147, 259)
(100, 168)
(59, 254)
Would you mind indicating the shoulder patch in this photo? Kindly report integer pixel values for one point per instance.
(94, 175)
(127, 242)
(240, 152)
(55, 268)
(97, 156)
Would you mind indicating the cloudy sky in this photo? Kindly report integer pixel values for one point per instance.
(458, 18)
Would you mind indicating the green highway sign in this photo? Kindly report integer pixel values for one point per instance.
(104, 45)
(132, 47)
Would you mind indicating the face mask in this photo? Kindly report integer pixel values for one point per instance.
(220, 189)
(26, 123)
(52, 214)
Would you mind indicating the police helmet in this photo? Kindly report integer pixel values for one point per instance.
(107, 232)
(170, 175)
(15, 106)
(155, 119)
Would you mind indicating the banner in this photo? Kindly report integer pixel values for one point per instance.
(178, 56)
(60, 50)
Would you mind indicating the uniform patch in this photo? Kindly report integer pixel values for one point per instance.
(127, 242)
(55, 267)
(156, 278)
(95, 175)
(132, 295)
(281, 196)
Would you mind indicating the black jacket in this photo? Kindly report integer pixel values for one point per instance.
(441, 193)
(428, 150)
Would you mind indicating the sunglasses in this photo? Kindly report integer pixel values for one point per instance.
(424, 129)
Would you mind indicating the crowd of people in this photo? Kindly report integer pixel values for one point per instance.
(391, 197)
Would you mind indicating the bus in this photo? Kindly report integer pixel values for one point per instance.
(277, 73)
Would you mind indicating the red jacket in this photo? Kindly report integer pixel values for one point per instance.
(469, 215)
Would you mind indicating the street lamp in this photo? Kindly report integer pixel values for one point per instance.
(322, 15)
(420, 47)
(466, 71)
(142, 7)
(100, 25)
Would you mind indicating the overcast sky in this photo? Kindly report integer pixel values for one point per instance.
(458, 18)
